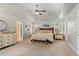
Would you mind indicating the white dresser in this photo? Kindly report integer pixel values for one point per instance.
(7, 39)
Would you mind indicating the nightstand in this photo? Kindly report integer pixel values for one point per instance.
(59, 36)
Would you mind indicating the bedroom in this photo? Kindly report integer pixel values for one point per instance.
(39, 29)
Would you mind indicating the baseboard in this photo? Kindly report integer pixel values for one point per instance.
(76, 51)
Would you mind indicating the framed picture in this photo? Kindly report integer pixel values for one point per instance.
(27, 27)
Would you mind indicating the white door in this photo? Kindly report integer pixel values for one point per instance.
(19, 30)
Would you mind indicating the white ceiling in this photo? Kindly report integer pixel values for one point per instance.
(15, 9)
(52, 10)
(27, 10)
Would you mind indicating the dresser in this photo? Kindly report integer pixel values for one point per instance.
(7, 39)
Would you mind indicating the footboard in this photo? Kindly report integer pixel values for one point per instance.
(42, 37)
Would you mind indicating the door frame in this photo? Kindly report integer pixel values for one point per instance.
(19, 30)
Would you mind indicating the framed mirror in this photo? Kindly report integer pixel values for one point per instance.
(2, 25)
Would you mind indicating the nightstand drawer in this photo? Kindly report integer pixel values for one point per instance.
(58, 36)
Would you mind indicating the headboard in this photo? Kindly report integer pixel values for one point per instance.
(47, 30)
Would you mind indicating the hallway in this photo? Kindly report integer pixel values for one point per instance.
(26, 48)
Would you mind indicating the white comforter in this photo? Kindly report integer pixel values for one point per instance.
(42, 36)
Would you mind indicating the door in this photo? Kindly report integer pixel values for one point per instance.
(19, 30)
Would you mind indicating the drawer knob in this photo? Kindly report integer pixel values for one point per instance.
(0, 45)
(7, 43)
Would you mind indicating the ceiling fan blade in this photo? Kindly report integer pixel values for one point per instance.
(42, 10)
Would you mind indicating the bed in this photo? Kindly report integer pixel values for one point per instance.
(43, 35)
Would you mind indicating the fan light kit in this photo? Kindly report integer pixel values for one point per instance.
(37, 11)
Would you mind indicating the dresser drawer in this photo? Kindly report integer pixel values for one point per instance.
(1, 45)
(13, 40)
(8, 43)
(7, 36)
(1, 35)
(1, 41)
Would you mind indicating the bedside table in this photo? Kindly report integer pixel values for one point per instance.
(59, 36)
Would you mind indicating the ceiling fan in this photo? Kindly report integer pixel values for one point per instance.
(38, 11)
